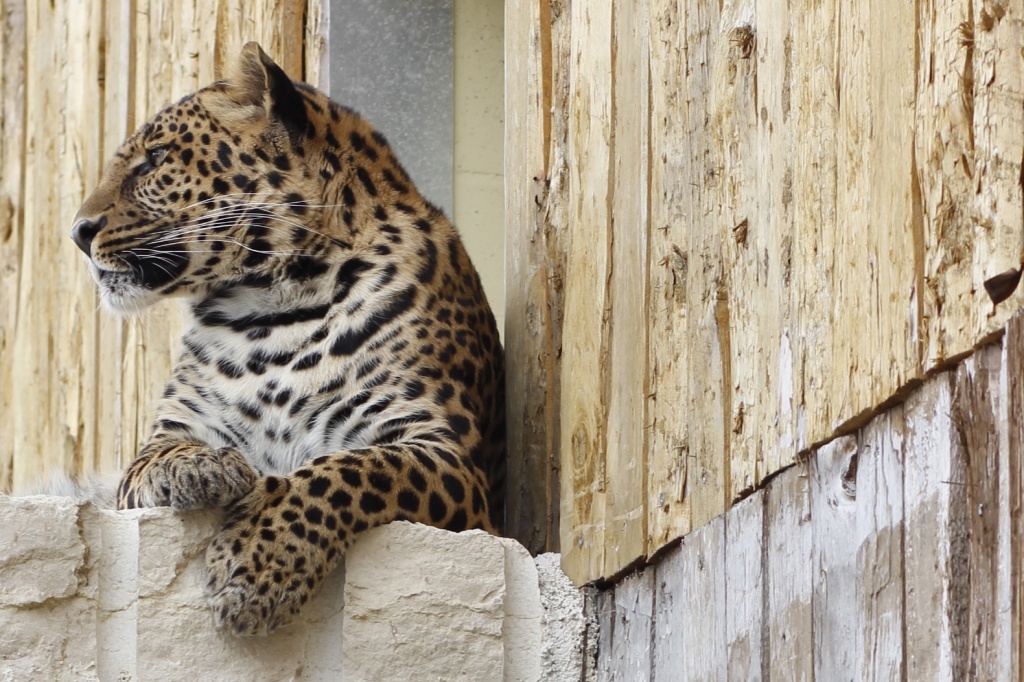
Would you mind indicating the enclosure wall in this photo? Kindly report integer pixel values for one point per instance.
(735, 230)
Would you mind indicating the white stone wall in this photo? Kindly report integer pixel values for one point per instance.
(88, 594)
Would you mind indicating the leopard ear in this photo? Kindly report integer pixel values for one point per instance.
(258, 81)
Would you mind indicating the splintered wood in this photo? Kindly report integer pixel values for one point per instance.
(77, 386)
(891, 553)
(779, 215)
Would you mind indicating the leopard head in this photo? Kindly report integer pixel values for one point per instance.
(214, 189)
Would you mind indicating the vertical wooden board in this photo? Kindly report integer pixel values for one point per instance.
(790, 654)
(772, 239)
(80, 139)
(706, 299)
(669, 453)
(733, 202)
(690, 642)
(536, 37)
(12, 173)
(877, 351)
(317, 55)
(745, 549)
(998, 105)
(34, 413)
(104, 415)
(1011, 530)
(944, 154)
(878, 537)
(935, 540)
(833, 508)
(626, 619)
(585, 349)
(626, 494)
(814, 109)
(976, 420)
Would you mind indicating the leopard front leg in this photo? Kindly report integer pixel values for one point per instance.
(185, 476)
(289, 533)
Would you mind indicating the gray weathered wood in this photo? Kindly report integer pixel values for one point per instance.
(626, 653)
(691, 606)
(976, 420)
(788, 566)
(878, 537)
(744, 588)
(935, 559)
(833, 496)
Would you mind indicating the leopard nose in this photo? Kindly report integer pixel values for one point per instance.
(84, 231)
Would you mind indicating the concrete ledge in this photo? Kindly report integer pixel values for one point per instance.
(88, 594)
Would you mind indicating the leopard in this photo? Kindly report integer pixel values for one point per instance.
(340, 366)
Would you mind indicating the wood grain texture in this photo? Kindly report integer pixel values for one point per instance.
(878, 539)
(536, 182)
(745, 589)
(833, 500)
(789, 576)
(584, 408)
(891, 553)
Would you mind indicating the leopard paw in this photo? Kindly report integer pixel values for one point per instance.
(186, 476)
(269, 560)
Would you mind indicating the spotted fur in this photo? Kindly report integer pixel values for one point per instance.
(341, 367)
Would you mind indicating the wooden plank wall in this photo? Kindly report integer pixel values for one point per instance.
(76, 77)
(735, 229)
(893, 552)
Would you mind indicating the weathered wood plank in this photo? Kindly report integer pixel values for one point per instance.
(1011, 498)
(878, 537)
(833, 509)
(731, 197)
(945, 167)
(997, 101)
(745, 588)
(625, 652)
(935, 540)
(36, 413)
(12, 174)
(696, 576)
(536, 182)
(772, 238)
(790, 654)
(976, 420)
(584, 409)
(813, 116)
(706, 298)
(668, 461)
(626, 454)
(875, 253)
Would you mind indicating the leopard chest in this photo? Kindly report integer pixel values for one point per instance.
(284, 398)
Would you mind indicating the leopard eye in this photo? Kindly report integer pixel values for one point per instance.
(156, 156)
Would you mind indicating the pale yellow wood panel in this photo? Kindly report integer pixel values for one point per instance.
(536, 125)
(78, 373)
(706, 332)
(315, 43)
(668, 460)
(944, 154)
(732, 198)
(998, 107)
(37, 412)
(584, 408)
(875, 343)
(773, 238)
(12, 173)
(814, 108)
(626, 456)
